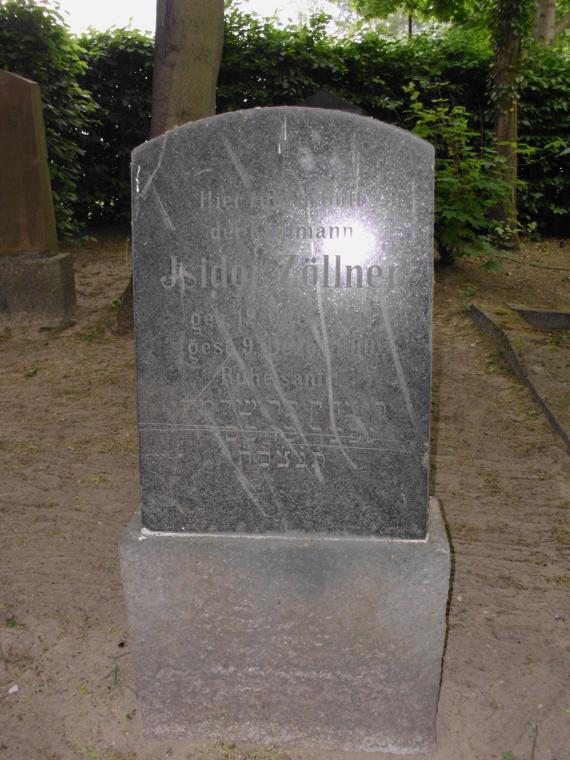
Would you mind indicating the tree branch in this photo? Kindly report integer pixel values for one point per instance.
(561, 24)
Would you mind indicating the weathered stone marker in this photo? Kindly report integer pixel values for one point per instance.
(35, 282)
(283, 296)
(284, 586)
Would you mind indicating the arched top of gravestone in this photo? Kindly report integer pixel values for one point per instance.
(16, 80)
(272, 125)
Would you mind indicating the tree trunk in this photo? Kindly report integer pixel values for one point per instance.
(562, 24)
(507, 57)
(544, 23)
(410, 26)
(187, 56)
(188, 51)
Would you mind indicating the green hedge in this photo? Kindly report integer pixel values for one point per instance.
(544, 124)
(118, 74)
(265, 66)
(262, 66)
(35, 43)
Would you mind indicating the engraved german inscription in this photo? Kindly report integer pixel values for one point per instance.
(329, 271)
(282, 280)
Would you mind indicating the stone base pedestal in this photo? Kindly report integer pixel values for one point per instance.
(332, 643)
(36, 288)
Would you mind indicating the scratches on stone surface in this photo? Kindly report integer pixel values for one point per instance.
(325, 350)
(397, 362)
(150, 180)
(239, 473)
(355, 158)
(239, 167)
(322, 341)
(182, 346)
(244, 440)
(163, 212)
(317, 471)
(211, 380)
(242, 366)
(321, 337)
(283, 135)
(140, 194)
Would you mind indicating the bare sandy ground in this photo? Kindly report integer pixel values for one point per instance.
(69, 485)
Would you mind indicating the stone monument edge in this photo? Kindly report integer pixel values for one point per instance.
(311, 113)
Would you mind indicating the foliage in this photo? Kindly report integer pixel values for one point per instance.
(118, 74)
(510, 26)
(383, 8)
(544, 124)
(35, 43)
(512, 17)
(452, 67)
(441, 10)
(562, 28)
(467, 179)
(264, 65)
(509, 20)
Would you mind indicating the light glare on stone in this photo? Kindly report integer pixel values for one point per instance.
(353, 251)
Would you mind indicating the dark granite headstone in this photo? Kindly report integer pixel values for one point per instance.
(327, 99)
(275, 589)
(283, 284)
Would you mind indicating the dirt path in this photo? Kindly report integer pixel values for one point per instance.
(70, 483)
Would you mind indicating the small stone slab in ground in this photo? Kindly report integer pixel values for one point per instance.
(539, 358)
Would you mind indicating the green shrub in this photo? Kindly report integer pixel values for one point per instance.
(36, 44)
(467, 180)
(452, 66)
(544, 124)
(263, 65)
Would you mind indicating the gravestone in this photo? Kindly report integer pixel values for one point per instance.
(288, 581)
(36, 283)
(326, 99)
(283, 323)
